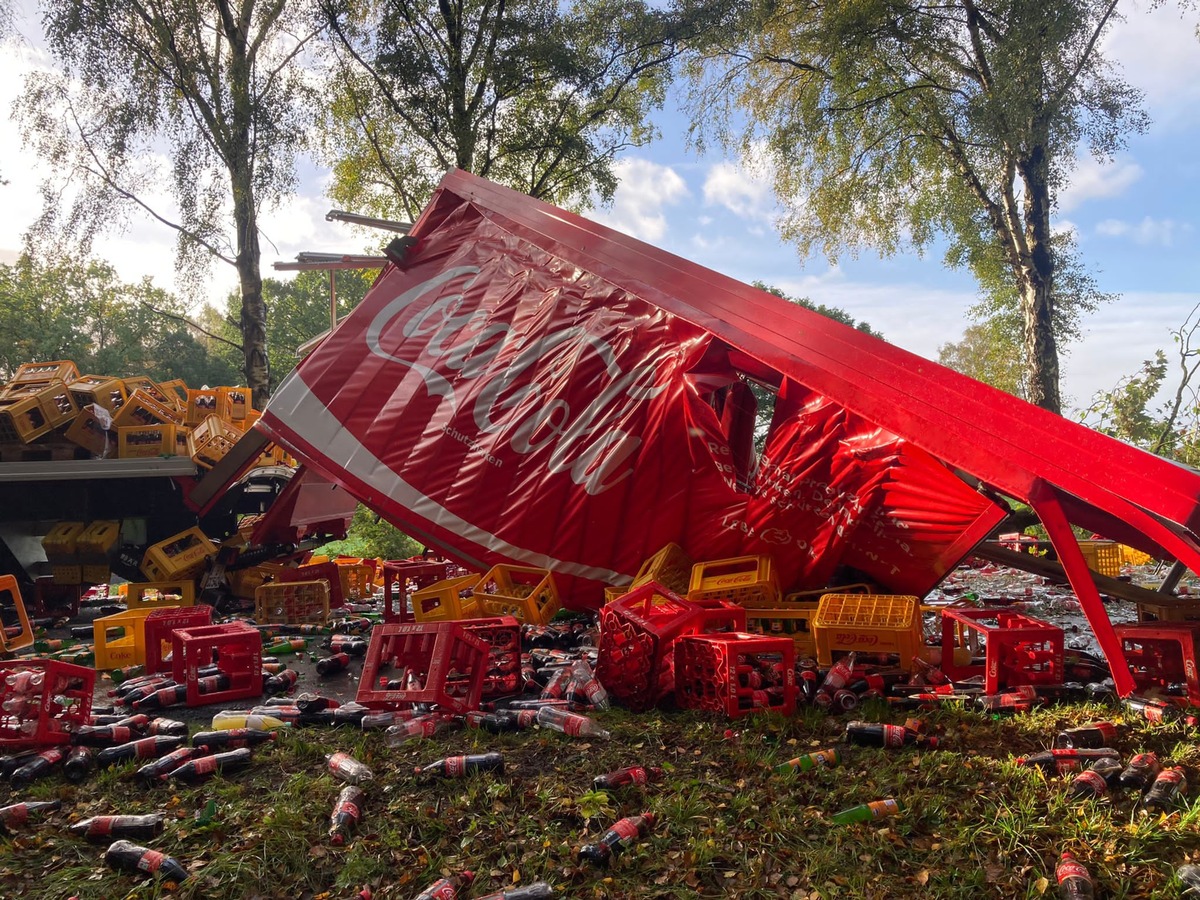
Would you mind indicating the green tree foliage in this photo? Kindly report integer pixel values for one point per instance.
(534, 94)
(830, 312)
(211, 85)
(890, 123)
(369, 536)
(987, 352)
(83, 312)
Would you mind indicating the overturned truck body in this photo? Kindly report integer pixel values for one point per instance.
(523, 385)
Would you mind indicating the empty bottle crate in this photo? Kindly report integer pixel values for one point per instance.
(292, 603)
(735, 674)
(447, 601)
(120, 639)
(182, 555)
(435, 662)
(868, 623)
(10, 598)
(43, 702)
(1017, 649)
(529, 594)
(401, 578)
(670, 567)
(1104, 557)
(748, 581)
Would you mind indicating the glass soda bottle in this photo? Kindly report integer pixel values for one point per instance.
(102, 828)
(170, 727)
(143, 748)
(570, 723)
(13, 816)
(232, 738)
(125, 856)
(1141, 771)
(879, 735)
(199, 768)
(638, 775)
(103, 735)
(1168, 788)
(159, 770)
(425, 726)
(839, 674)
(866, 812)
(1098, 734)
(614, 841)
(79, 764)
(347, 813)
(331, 665)
(584, 683)
(38, 766)
(345, 767)
(816, 759)
(539, 890)
(1076, 757)
(1096, 781)
(1074, 881)
(446, 888)
(461, 766)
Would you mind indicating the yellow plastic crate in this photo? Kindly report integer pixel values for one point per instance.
(1132, 557)
(98, 390)
(357, 580)
(120, 639)
(153, 441)
(182, 555)
(670, 567)
(749, 581)
(814, 597)
(292, 603)
(61, 544)
(792, 620)
(444, 601)
(615, 592)
(1102, 556)
(1169, 612)
(142, 409)
(157, 594)
(92, 430)
(23, 420)
(527, 594)
(212, 439)
(57, 370)
(868, 623)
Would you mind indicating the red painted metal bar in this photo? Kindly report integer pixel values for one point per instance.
(1045, 504)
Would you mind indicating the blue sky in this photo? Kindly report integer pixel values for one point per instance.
(1135, 219)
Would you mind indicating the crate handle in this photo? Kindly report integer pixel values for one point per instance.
(25, 638)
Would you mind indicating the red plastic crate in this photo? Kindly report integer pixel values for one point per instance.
(502, 635)
(1019, 649)
(50, 599)
(1162, 653)
(238, 651)
(437, 662)
(401, 578)
(46, 714)
(160, 626)
(737, 674)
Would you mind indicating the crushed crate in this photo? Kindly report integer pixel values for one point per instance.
(447, 601)
(120, 639)
(670, 567)
(735, 674)
(1179, 611)
(10, 596)
(868, 624)
(156, 594)
(1161, 654)
(235, 648)
(502, 635)
(160, 627)
(1017, 649)
(292, 603)
(439, 662)
(43, 702)
(401, 577)
(525, 592)
(749, 581)
(1102, 556)
(182, 555)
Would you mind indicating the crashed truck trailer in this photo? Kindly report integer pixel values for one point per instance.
(522, 385)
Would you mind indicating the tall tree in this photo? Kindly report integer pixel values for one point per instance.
(987, 353)
(893, 122)
(537, 95)
(213, 85)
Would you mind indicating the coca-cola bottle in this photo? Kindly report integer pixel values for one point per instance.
(1066, 759)
(839, 674)
(1095, 782)
(13, 816)
(200, 767)
(539, 890)
(415, 729)
(614, 841)
(461, 766)
(1098, 734)
(879, 735)
(385, 719)
(158, 771)
(629, 775)
(103, 735)
(570, 723)
(1141, 771)
(125, 856)
(1074, 882)
(105, 828)
(814, 760)
(446, 888)
(170, 695)
(1168, 788)
(331, 665)
(585, 686)
(169, 727)
(345, 767)
(143, 748)
(556, 687)
(38, 766)
(13, 761)
(280, 682)
(344, 643)
(232, 738)
(347, 812)
(79, 764)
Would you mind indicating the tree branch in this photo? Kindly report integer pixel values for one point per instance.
(186, 321)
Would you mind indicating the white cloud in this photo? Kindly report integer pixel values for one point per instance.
(645, 190)
(1145, 233)
(1157, 51)
(1091, 180)
(741, 190)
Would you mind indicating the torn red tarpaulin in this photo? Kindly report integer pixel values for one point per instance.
(503, 398)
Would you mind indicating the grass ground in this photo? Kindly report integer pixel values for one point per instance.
(975, 824)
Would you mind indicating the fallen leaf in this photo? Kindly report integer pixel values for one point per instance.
(1041, 884)
(923, 877)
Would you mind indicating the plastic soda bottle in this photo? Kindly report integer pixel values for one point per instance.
(818, 758)
(1096, 780)
(227, 719)
(128, 857)
(879, 735)
(38, 766)
(638, 775)
(421, 727)
(1141, 771)
(15, 815)
(1098, 734)
(105, 828)
(1167, 789)
(866, 812)
(143, 748)
(79, 764)
(161, 768)
(570, 723)
(1074, 881)
(461, 766)
(232, 738)
(200, 767)
(347, 813)
(331, 665)
(446, 888)
(614, 841)
(539, 890)
(345, 767)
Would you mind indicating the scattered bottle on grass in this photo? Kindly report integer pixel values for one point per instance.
(345, 767)
(866, 812)
(1074, 881)
(79, 764)
(425, 726)
(1167, 790)
(570, 723)
(1141, 771)
(103, 735)
(13, 761)
(199, 768)
(638, 775)
(1098, 734)
(101, 828)
(230, 719)
(232, 738)
(1189, 877)
(347, 813)
(814, 760)
(125, 856)
(158, 771)
(143, 748)
(38, 766)
(461, 766)
(14, 816)
(539, 890)
(614, 841)
(879, 735)
(1096, 780)
(1065, 759)
(446, 888)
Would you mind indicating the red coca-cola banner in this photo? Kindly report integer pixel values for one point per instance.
(495, 397)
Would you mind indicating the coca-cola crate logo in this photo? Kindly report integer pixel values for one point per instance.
(1189, 669)
(855, 638)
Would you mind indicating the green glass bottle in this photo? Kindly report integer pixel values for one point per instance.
(867, 812)
(826, 758)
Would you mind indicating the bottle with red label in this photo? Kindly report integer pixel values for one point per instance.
(638, 775)
(169, 727)
(879, 735)
(103, 735)
(462, 766)
(201, 767)
(539, 890)
(1167, 790)
(1066, 759)
(1074, 881)
(38, 766)
(347, 813)
(143, 748)
(583, 688)
(1098, 734)
(332, 665)
(839, 674)
(1141, 771)
(105, 828)
(614, 841)
(16, 815)
(447, 888)
(422, 727)
(570, 723)
(1095, 782)
(169, 695)
(160, 769)
(345, 767)
(125, 856)
(232, 738)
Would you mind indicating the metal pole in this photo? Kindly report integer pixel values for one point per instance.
(332, 299)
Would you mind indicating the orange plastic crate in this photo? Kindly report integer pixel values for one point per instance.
(737, 674)
(670, 567)
(10, 595)
(1104, 557)
(529, 594)
(791, 620)
(57, 370)
(98, 390)
(142, 409)
(447, 601)
(746, 580)
(92, 429)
